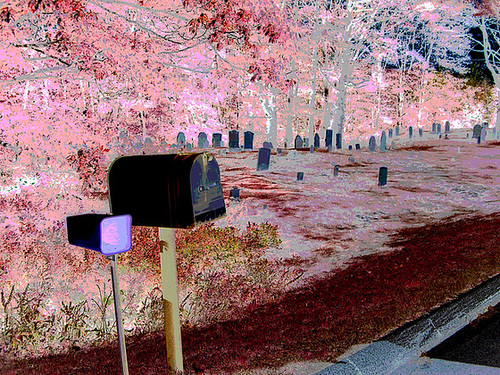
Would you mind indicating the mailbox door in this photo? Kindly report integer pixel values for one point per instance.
(206, 189)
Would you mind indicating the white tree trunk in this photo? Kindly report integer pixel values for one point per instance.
(270, 110)
(26, 93)
(289, 118)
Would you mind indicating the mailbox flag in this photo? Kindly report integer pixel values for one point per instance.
(106, 234)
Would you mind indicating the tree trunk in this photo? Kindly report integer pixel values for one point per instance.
(272, 120)
(26, 93)
(289, 119)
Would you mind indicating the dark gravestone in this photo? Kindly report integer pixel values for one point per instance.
(338, 141)
(248, 140)
(298, 141)
(263, 159)
(336, 170)
(397, 130)
(358, 146)
(268, 145)
(202, 138)
(329, 137)
(372, 143)
(234, 139)
(300, 176)
(316, 140)
(181, 139)
(420, 133)
(306, 143)
(410, 132)
(350, 147)
(383, 142)
(438, 128)
(390, 133)
(382, 176)
(433, 131)
(216, 139)
(234, 193)
(447, 127)
(476, 131)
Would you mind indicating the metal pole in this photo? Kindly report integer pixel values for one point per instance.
(170, 299)
(118, 314)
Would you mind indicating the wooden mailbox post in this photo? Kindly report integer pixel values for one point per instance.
(167, 191)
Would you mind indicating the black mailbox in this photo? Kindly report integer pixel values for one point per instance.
(170, 191)
(106, 234)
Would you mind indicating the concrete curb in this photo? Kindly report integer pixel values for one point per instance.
(414, 338)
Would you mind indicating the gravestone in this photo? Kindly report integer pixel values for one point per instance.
(234, 139)
(410, 132)
(216, 140)
(306, 143)
(397, 130)
(420, 133)
(311, 149)
(383, 142)
(206, 144)
(263, 159)
(447, 127)
(483, 134)
(338, 141)
(181, 139)
(350, 147)
(234, 193)
(316, 140)
(390, 133)
(268, 145)
(382, 176)
(248, 140)
(357, 146)
(336, 170)
(351, 159)
(393, 145)
(330, 148)
(494, 132)
(189, 146)
(300, 176)
(372, 143)
(433, 131)
(298, 141)
(202, 137)
(438, 128)
(329, 137)
(476, 131)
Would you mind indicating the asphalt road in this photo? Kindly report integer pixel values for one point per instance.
(478, 343)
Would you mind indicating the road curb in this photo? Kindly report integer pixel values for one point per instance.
(419, 336)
